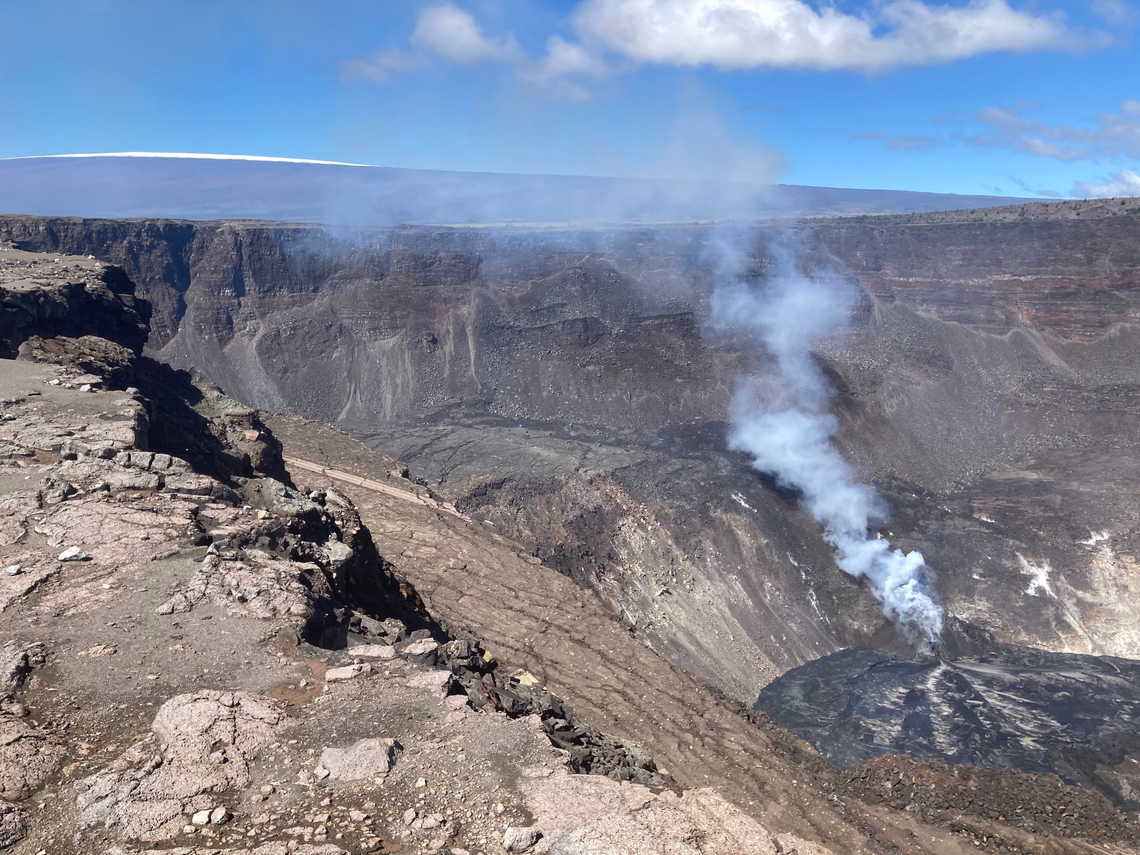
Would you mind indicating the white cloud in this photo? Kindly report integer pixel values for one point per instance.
(748, 34)
(1110, 135)
(454, 34)
(1122, 183)
(739, 35)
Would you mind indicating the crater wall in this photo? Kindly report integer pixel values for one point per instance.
(562, 385)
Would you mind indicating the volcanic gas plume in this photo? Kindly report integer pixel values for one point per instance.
(784, 423)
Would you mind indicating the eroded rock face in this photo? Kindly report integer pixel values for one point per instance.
(13, 824)
(124, 500)
(28, 756)
(16, 662)
(261, 584)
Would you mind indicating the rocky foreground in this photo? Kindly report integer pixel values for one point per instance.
(213, 642)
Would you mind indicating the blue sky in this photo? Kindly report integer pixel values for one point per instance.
(988, 96)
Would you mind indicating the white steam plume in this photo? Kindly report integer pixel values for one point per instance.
(787, 429)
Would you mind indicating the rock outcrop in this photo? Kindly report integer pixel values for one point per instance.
(50, 296)
(133, 499)
(200, 749)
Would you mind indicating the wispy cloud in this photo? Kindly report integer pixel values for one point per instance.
(905, 142)
(914, 142)
(564, 62)
(451, 34)
(1046, 192)
(379, 66)
(1107, 136)
(1116, 13)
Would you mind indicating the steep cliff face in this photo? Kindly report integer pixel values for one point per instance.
(453, 308)
(564, 386)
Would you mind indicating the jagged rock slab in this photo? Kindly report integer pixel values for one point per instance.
(202, 748)
(589, 816)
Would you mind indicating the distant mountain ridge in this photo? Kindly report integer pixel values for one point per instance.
(212, 187)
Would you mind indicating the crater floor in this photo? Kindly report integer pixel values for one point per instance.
(1008, 708)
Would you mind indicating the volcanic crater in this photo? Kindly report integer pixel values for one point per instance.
(563, 394)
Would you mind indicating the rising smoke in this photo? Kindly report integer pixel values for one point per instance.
(785, 425)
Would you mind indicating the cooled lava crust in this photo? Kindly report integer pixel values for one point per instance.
(1007, 708)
